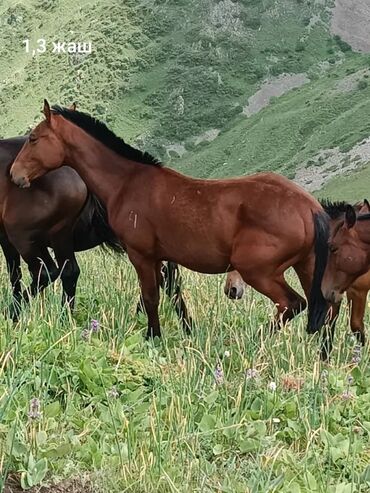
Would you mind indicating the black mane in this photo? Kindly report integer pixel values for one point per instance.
(101, 132)
(334, 209)
(363, 217)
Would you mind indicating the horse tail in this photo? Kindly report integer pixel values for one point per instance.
(317, 305)
(171, 278)
(93, 229)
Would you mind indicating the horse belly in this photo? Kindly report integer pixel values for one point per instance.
(197, 258)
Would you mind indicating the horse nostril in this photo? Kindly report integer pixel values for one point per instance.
(233, 293)
(20, 181)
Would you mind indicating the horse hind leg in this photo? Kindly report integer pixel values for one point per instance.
(288, 302)
(68, 267)
(43, 272)
(357, 300)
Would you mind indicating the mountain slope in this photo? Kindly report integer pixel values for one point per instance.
(195, 82)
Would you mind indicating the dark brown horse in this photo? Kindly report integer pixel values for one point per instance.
(356, 293)
(349, 254)
(57, 212)
(259, 225)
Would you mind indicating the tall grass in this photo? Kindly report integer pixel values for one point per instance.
(232, 408)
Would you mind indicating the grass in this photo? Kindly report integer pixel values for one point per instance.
(351, 187)
(182, 414)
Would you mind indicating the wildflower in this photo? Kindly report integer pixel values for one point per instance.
(85, 334)
(357, 349)
(350, 380)
(292, 383)
(227, 354)
(276, 420)
(34, 412)
(94, 325)
(113, 393)
(356, 358)
(324, 375)
(251, 374)
(219, 374)
(347, 395)
(272, 386)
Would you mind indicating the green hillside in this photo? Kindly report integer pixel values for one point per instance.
(174, 76)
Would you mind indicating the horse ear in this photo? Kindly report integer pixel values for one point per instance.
(46, 110)
(73, 107)
(350, 217)
(365, 209)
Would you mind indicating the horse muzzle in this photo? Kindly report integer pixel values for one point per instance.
(20, 181)
(333, 296)
(234, 293)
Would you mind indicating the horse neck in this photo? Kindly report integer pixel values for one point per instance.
(104, 171)
(363, 232)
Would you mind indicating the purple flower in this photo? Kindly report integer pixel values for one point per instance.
(350, 380)
(34, 412)
(219, 374)
(94, 325)
(347, 395)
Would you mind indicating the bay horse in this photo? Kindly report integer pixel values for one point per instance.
(349, 254)
(259, 225)
(57, 212)
(356, 293)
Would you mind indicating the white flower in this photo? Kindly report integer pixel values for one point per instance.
(227, 354)
(276, 420)
(272, 386)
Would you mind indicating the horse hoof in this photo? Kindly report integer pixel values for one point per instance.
(14, 313)
(151, 335)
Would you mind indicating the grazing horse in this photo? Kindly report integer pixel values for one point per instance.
(259, 225)
(349, 255)
(57, 212)
(357, 291)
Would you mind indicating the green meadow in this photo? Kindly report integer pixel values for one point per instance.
(232, 408)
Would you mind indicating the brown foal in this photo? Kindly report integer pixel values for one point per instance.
(259, 225)
(349, 255)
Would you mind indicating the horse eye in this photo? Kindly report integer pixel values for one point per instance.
(32, 139)
(333, 249)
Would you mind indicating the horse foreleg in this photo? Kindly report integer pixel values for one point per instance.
(147, 271)
(13, 264)
(305, 270)
(357, 300)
